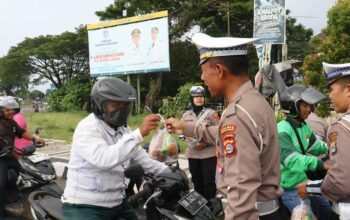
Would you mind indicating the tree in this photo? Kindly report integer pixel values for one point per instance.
(13, 77)
(331, 46)
(298, 38)
(56, 58)
(209, 15)
(75, 95)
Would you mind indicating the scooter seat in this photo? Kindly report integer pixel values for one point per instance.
(53, 206)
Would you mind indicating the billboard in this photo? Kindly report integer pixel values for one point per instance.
(132, 45)
(270, 21)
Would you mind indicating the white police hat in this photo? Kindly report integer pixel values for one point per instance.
(197, 91)
(220, 46)
(333, 72)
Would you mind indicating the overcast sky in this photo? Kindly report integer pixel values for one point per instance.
(31, 18)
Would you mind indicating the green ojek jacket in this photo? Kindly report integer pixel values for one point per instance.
(293, 162)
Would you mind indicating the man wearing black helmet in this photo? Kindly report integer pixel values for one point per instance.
(9, 129)
(103, 146)
(299, 147)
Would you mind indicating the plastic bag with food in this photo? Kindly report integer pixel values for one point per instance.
(302, 212)
(163, 146)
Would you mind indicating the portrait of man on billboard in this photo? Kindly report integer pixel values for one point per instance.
(156, 49)
(134, 53)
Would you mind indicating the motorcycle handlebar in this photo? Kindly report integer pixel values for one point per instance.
(146, 191)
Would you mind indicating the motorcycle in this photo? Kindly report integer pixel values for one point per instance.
(36, 172)
(168, 196)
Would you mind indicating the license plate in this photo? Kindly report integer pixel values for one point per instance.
(38, 157)
(193, 202)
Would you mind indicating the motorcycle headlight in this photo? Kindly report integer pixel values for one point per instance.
(47, 177)
(31, 167)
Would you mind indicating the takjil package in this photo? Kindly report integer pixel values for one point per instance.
(302, 212)
(163, 146)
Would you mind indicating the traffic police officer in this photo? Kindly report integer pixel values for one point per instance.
(335, 185)
(201, 155)
(246, 135)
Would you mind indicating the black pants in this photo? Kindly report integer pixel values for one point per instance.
(6, 163)
(91, 212)
(280, 214)
(203, 176)
(334, 216)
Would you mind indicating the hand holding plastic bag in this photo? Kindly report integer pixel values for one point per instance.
(302, 212)
(163, 146)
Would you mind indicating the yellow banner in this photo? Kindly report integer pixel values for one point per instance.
(134, 19)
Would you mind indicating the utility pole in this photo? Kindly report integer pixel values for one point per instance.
(228, 19)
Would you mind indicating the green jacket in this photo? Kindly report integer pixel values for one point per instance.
(293, 162)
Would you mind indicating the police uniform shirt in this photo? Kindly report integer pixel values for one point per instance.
(336, 185)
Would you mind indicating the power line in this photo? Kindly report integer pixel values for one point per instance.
(314, 17)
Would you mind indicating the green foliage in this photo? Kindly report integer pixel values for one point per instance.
(55, 58)
(72, 96)
(61, 125)
(298, 38)
(175, 106)
(13, 76)
(57, 125)
(331, 46)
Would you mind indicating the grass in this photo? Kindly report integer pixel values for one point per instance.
(61, 125)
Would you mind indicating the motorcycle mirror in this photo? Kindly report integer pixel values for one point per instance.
(29, 150)
(39, 132)
(134, 171)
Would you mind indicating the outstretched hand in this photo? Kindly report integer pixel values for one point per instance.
(150, 123)
(174, 125)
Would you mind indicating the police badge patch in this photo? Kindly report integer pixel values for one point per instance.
(228, 135)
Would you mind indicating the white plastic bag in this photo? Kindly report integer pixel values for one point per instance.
(302, 212)
(163, 146)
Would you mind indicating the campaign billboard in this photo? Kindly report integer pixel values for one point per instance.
(132, 45)
(270, 21)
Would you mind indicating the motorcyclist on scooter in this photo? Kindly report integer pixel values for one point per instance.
(9, 129)
(103, 147)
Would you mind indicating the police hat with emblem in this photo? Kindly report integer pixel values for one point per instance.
(333, 72)
(220, 46)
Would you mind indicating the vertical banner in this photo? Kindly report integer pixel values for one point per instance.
(270, 21)
(132, 45)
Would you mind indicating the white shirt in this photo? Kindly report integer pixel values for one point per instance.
(98, 158)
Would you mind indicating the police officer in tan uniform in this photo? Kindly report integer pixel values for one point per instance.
(336, 184)
(246, 136)
(201, 155)
(318, 126)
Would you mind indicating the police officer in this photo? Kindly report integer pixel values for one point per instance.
(246, 135)
(103, 146)
(201, 155)
(318, 126)
(335, 185)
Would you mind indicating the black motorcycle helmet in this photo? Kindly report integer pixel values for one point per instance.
(291, 97)
(112, 89)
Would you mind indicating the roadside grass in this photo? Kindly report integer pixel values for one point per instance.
(61, 125)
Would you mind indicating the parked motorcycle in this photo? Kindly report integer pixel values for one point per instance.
(168, 196)
(36, 172)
